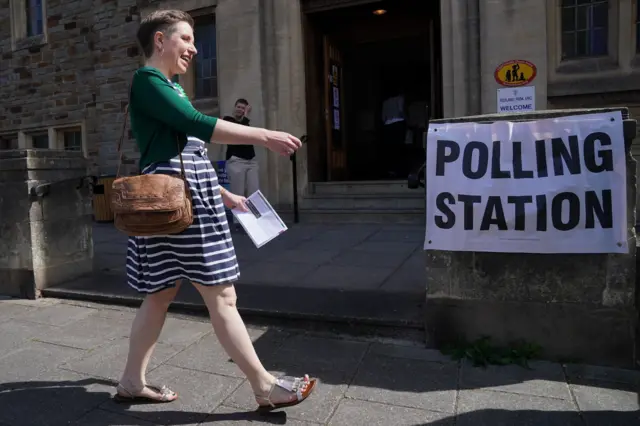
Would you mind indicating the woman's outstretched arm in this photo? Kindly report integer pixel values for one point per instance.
(154, 95)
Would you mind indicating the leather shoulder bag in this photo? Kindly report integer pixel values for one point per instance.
(150, 204)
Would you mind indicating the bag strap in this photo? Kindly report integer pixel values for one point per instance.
(124, 126)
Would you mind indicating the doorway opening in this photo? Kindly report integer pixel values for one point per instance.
(373, 71)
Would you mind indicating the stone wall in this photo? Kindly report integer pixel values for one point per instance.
(79, 76)
(46, 223)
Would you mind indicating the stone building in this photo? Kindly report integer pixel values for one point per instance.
(315, 67)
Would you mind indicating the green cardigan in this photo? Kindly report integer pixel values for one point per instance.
(160, 112)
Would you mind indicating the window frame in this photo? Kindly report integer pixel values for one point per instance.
(576, 30)
(30, 134)
(20, 39)
(558, 66)
(58, 133)
(210, 16)
(55, 136)
(11, 136)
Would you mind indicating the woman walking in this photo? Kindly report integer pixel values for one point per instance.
(204, 254)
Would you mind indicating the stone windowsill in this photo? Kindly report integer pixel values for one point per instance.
(593, 76)
(587, 65)
(208, 106)
(33, 42)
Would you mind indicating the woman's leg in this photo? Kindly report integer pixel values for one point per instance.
(234, 338)
(145, 331)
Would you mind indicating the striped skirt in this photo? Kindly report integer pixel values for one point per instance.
(203, 253)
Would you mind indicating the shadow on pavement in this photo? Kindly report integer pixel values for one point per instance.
(73, 402)
(535, 418)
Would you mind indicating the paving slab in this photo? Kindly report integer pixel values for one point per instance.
(52, 398)
(407, 351)
(89, 332)
(265, 272)
(101, 417)
(108, 361)
(577, 372)
(366, 259)
(362, 381)
(15, 333)
(541, 379)
(231, 416)
(356, 266)
(318, 409)
(9, 310)
(337, 277)
(406, 278)
(489, 408)
(406, 382)
(312, 353)
(34, 359)
(53, 314)
(199, 394)
(607, 404)
(207, 355)
(364, 413)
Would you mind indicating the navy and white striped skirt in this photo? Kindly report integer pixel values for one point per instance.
(202, 253)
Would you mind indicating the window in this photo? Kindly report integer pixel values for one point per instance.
(34, 11)
(9, 141)
(584, 28)
(72, 140)
(69, 138)
(206, 68)
(39, 140)
(28, 21)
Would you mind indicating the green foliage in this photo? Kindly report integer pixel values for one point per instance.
(482, 353)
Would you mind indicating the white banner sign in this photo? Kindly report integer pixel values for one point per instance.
(547, 186)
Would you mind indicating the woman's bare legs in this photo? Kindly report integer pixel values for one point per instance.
(145, 331)
(234, 338)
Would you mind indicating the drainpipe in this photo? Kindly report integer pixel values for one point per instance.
(474, 40)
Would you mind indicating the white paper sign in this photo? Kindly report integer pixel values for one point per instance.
(547, 186)
(517, 99)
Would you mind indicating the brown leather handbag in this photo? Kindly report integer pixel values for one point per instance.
(152, 204)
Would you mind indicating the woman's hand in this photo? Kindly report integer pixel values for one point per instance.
(234, 201)
(282, 143)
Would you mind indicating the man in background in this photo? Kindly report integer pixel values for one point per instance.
(394, 131)
(241, 164)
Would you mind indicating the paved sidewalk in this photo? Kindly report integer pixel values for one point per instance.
(59, 360)
(357, 272)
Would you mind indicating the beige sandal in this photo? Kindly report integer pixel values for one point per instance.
(302, 387)
(123, 395)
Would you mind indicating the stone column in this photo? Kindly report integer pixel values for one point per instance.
(460, 57)
(46, 230)
(512, 30)
(261, 58)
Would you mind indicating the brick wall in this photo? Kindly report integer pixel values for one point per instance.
(80, 74)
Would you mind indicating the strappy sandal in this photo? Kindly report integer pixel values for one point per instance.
(123, 395)
(302, 387)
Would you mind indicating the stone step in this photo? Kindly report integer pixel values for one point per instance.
(336, 216)
(362, 187)
(406, 201)
(406, 216)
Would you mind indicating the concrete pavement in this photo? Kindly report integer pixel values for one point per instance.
(59, 360)
(368, 273)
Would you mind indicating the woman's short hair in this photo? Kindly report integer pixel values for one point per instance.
(159, 20)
